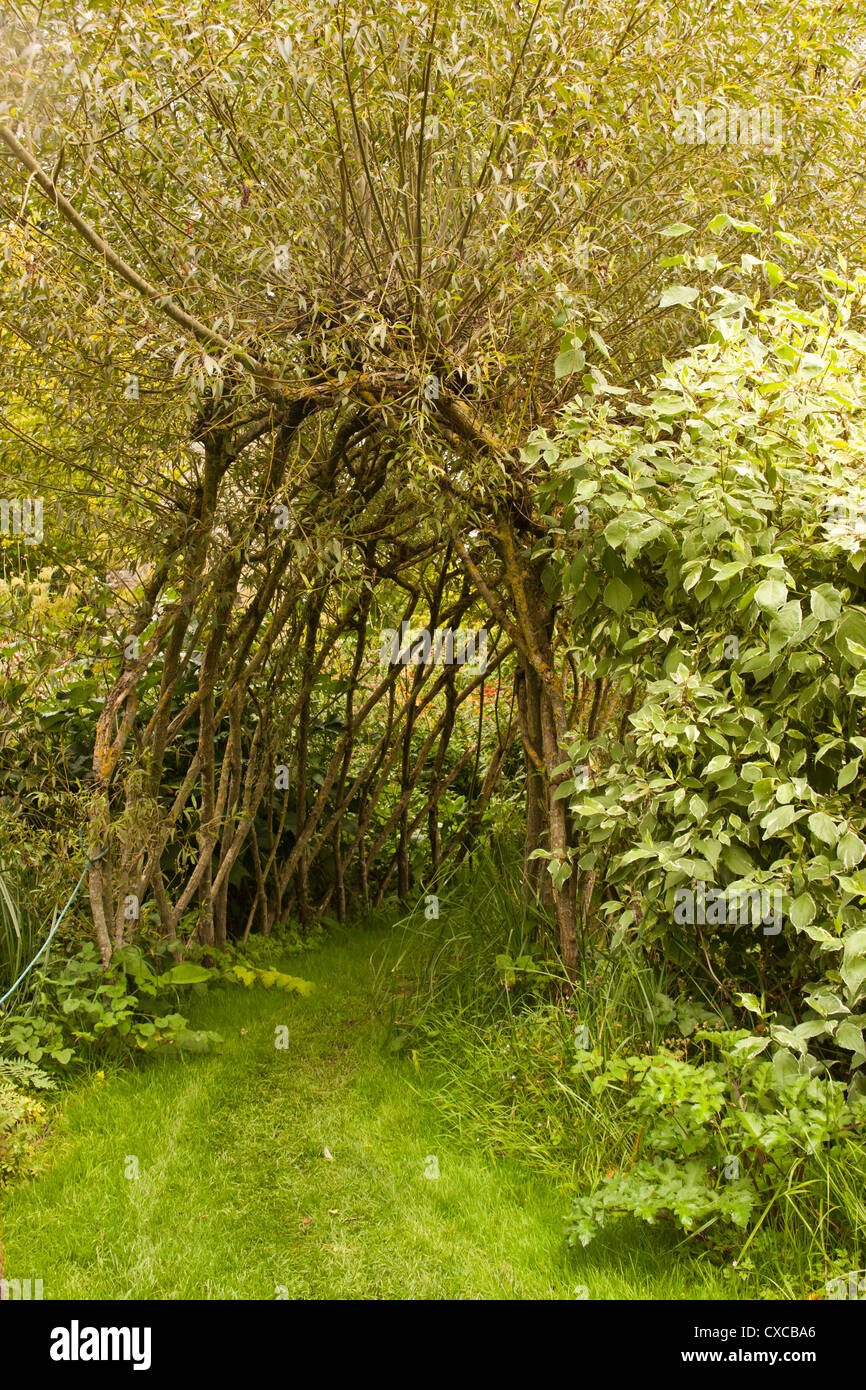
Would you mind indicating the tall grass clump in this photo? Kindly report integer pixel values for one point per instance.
(479, 999)
(17, 933)
(39, 868)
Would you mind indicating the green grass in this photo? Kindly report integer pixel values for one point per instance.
(235, 1198)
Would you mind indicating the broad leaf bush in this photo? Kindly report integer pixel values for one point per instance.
(77, 1011)
(719, 1143)
(709, 558)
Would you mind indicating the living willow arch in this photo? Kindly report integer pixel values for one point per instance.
(305, 282)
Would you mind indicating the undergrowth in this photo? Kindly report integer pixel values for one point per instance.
(624, 1087)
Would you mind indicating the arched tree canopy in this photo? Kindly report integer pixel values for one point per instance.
(294, 298)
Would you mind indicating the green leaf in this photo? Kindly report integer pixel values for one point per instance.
(850, 850)
(851, 636)
(728, 570)
(848, 773)
(737, 860)
(826, 603)
(750, 1002)
(187, 973)
(787, 1038)
(771, 594)
(697, 807)
(785, 1069)
(823, 828)
(616, 531)
(802, 911)
(750, 1047)
(853, 968)
(289, 982)
(570, 359)
(199, 1040)
(778, 819)
(789, 619)
(618, 596)
(677, 294)
(826, 1003)
(717, 764)
(849, 1036)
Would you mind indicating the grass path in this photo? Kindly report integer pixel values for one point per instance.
(235, 1198)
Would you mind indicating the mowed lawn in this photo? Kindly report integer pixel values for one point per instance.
(302, 1172)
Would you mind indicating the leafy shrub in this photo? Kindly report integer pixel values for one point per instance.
(717, 582)
(284, 940)
(270, 977)
(78, 1011)
(719, 1143)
